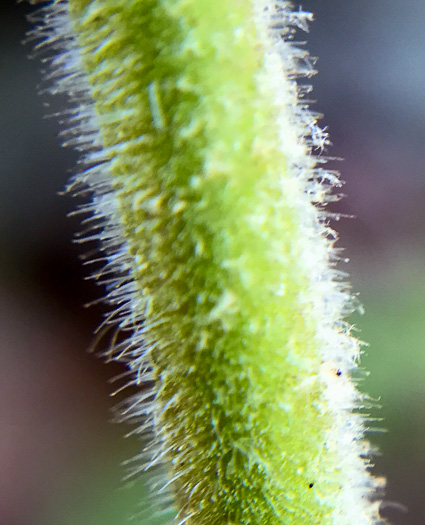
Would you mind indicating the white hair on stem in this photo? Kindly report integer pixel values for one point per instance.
(310, 187)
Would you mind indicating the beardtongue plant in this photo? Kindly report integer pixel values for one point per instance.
(208, 201)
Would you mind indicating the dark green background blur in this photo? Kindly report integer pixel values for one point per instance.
(59, 454)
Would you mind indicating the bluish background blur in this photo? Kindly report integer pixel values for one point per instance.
(59, 454)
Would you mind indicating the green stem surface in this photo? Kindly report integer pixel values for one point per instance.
(211, 217)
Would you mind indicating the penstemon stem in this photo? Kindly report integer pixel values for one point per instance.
(197, 146)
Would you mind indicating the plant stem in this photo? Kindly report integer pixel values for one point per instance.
(198, 150)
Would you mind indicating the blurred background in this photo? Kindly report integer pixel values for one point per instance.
(59, 454)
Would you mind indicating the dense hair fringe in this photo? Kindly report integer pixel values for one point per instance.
(287, 64)
(329, 292)
(92, 181)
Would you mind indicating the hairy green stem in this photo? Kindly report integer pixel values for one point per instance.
(198, 150)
